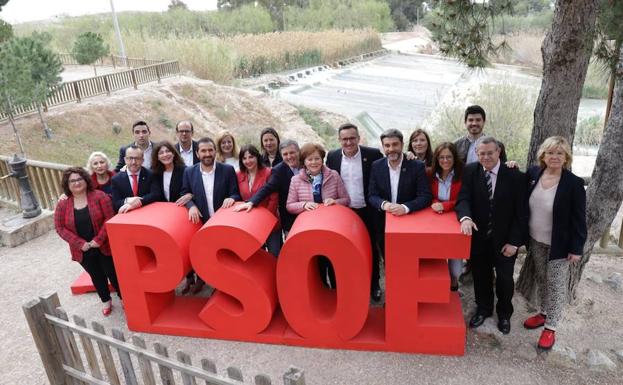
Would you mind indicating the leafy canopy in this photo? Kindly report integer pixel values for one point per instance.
(89, 47)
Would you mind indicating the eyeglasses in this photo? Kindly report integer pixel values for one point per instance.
(184, 131)
(77, 180)
(133, 159)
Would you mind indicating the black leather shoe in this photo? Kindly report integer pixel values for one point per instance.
(477, 320)
(375, 294)
(504, 325)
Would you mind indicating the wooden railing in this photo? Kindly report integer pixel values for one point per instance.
(77, 90)
(67, 362)
(45, 181)
(112, 60)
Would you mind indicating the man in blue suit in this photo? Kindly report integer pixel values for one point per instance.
(213, 185)
(397, 185)
(136, 186)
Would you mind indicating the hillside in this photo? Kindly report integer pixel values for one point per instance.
(79, 129)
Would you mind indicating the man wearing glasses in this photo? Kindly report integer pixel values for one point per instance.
(134, 187)
(186, 146)
(353, 162)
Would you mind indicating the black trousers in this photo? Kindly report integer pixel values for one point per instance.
(101, 269)
(483, 264)
(325, 267)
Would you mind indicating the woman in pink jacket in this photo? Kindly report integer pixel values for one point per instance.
(314, 185)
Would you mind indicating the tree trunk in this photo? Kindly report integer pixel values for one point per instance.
(566, 52)
(9, 109)
(605, 192)
(46, 129)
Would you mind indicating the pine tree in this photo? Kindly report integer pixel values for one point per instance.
(88, 48)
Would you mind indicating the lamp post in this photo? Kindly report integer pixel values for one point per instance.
(28, 202)
(118, 33)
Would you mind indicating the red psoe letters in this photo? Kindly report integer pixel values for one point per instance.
(262, 299)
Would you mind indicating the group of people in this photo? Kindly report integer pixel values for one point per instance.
(498, 205)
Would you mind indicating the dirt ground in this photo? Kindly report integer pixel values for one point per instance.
(43, 265)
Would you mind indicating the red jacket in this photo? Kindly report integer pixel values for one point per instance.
(100, 210)
(455, 187)
(260, 180)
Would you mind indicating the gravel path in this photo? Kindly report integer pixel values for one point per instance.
(43, 265)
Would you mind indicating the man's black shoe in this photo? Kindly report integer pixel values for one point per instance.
(504, 325)
(477, 320)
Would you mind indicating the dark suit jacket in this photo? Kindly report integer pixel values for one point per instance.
(368, 156)
(225, 186)
(278, 182)
(195, 157)
(121, 161)
(509, 221)
(147, 188)
(569, 216)
(175, 187)
(413, 189)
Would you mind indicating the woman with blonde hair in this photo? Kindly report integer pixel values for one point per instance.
(557, 233)
(226, 149)
(100, 168)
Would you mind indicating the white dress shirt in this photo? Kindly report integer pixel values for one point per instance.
(208, 186)
(394, 180)
(187, 156)
(147, 156)
(351, 171)
(166, 183)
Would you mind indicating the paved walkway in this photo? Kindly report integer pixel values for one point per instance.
(43, 265)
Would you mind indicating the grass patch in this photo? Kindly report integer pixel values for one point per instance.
(327, 132)
(596, 83)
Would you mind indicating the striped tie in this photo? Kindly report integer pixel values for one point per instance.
(490, 195)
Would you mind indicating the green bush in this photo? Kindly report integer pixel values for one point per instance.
(340, 14)
(322, 128)
(589, 131)
(596, 83)
(509, 110)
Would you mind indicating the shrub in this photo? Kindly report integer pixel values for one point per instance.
(509, 110)
(589, 131)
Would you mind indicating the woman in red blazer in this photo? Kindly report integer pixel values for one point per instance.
(445, 185)
(80, 220)
(251, 177)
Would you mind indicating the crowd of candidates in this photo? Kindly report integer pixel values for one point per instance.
(499, 206)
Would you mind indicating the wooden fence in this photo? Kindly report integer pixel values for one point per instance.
(112, 60)
(77, 90)
(67, 362)
(45, 181)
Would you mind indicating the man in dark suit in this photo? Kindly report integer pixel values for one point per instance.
(185, 145)
(353, 162)
(279, 182)
(491, 208)
(141, 132)
(213, 185)
(136, 186)
(397, 185)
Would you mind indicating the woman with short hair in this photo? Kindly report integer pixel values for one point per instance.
(100, 168)
(557, 233)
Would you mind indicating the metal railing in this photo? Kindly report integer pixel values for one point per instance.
(112, 60)
(67, 362)
(45, 181)
(77, 90)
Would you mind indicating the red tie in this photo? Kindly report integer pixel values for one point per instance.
(135, 184)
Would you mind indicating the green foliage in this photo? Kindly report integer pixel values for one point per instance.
(30, 71)
(596, 83)
(88, 48)
(177, 4)
(509, 116)
(340, 14)
(405, 13)
(464, 30)
(589, 131)
(609, 27)
(6, 31)
(3, 3)
(322, 128)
